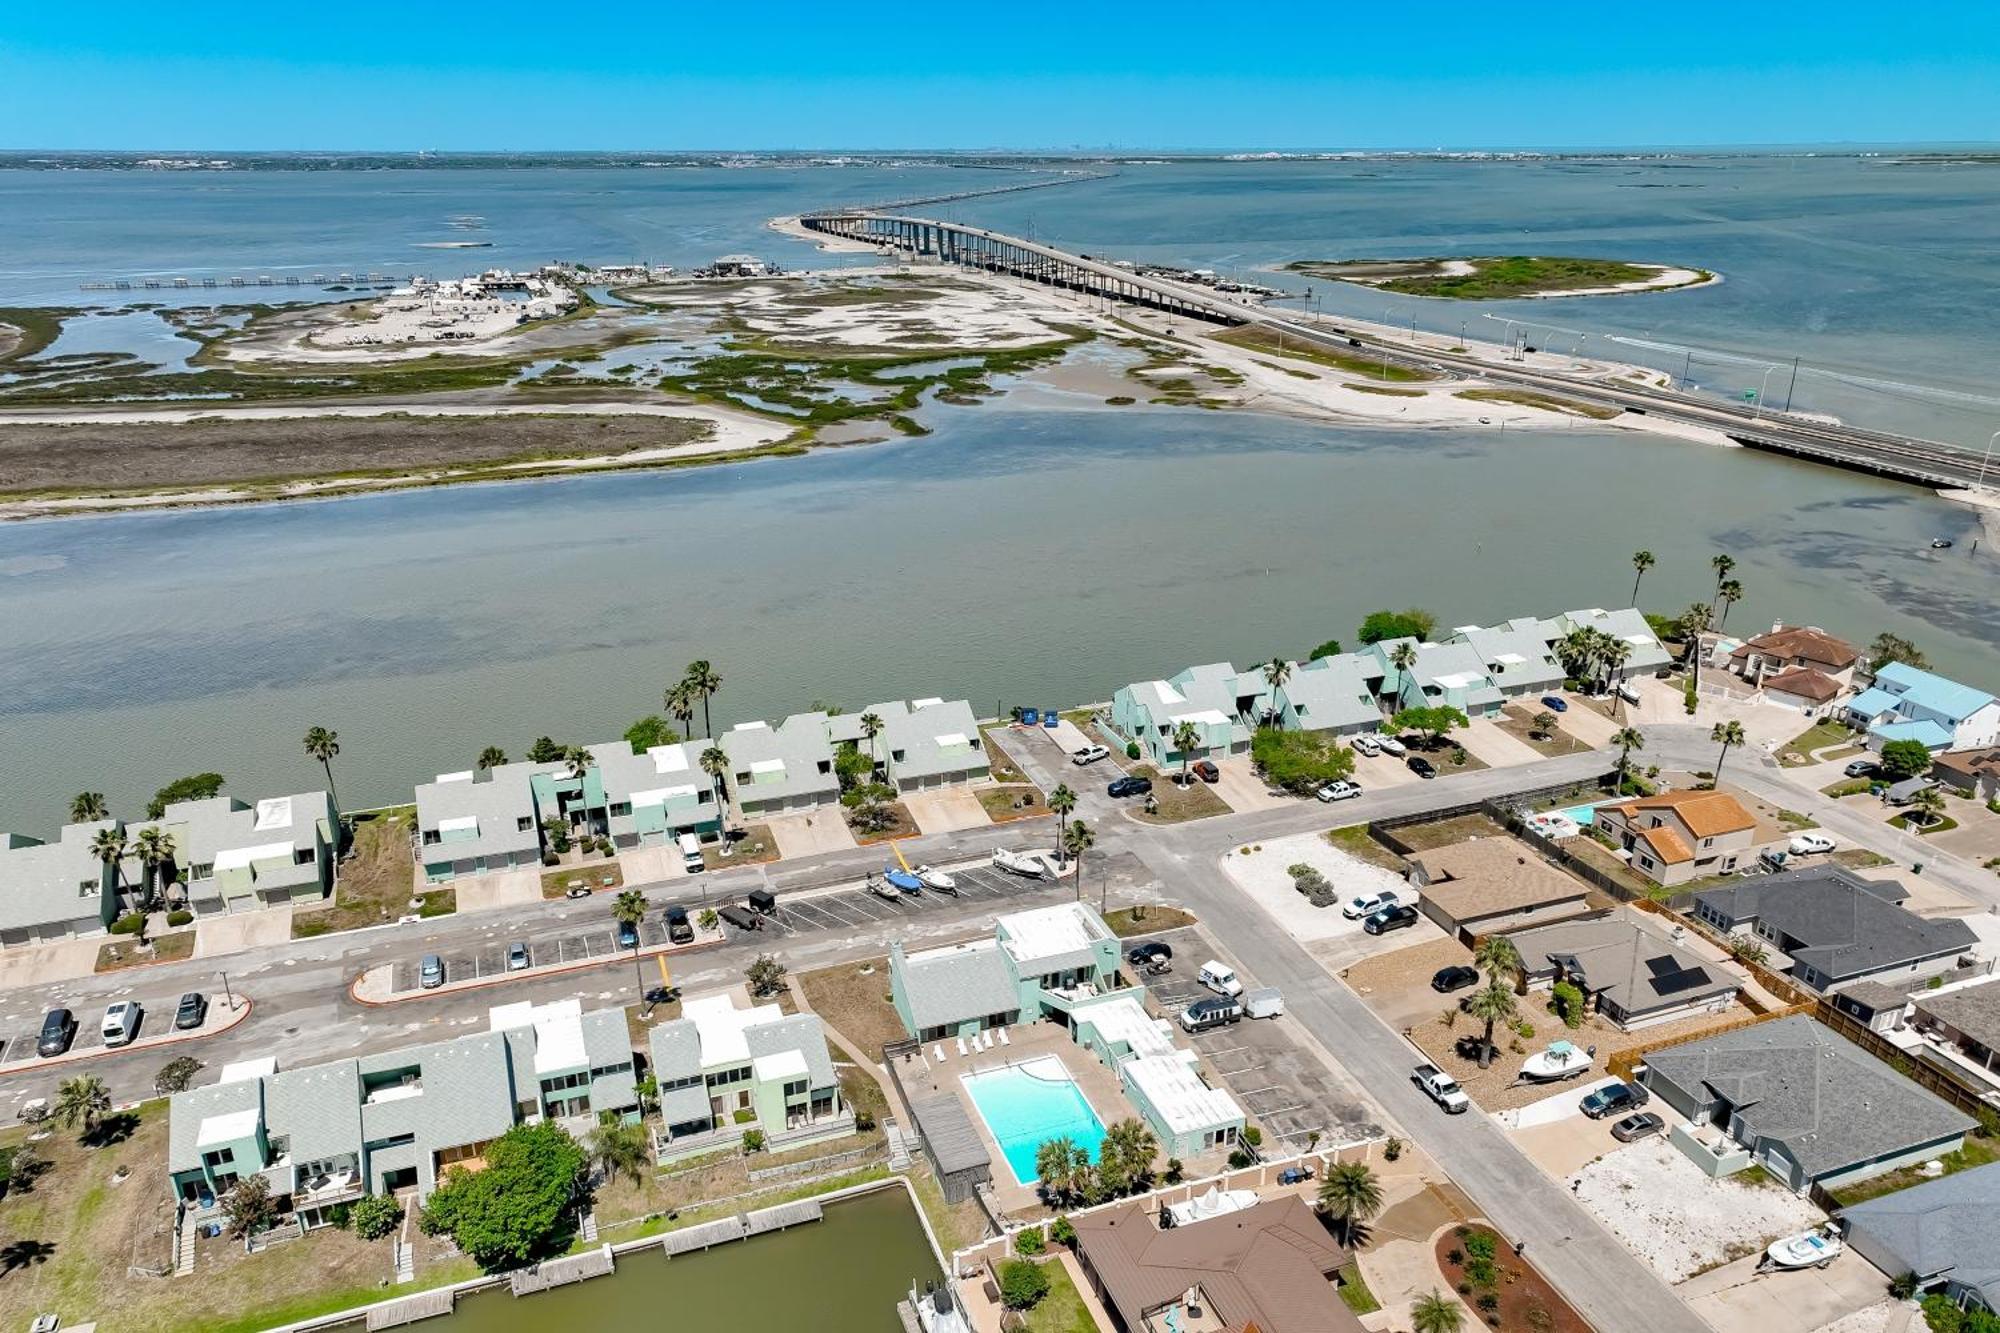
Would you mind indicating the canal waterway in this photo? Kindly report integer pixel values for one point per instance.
(841, 1275)
(1018, 555)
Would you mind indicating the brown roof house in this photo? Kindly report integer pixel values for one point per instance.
(1974, 773)
(1271, 1267)
(1484, 885)
(1800, 662)
(1680, 836)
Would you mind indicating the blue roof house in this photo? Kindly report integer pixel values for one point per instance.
(1905, 704)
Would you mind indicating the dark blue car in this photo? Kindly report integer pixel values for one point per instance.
(1554, 704)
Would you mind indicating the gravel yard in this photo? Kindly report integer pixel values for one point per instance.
(1264, 875)
(1678, 1220)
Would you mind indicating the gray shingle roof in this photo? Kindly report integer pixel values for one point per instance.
(498, 799)
(1634, 968)
(676, 1050)
(798, 746)
(39, 882)
(679, 1106)
(948, 1133)
(1944, 1227)
(317, 1108)
(188, 1109)
(1849, 926)
(796, 1032)
(1332, 692)
(1974, 1010)
(953, 985)
(1830, 1104)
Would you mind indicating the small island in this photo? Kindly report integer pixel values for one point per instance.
(1503, 277)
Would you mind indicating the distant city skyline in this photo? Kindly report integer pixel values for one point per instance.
(373, 76)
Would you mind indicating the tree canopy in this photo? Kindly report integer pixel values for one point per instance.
(1412, 623)
(1889, 648)
(193, 787)
(1300, 761)
(521, 1207)
(1331, 648)
(1431, 722)
(1905, 759)
(545, 751)
(649, 731)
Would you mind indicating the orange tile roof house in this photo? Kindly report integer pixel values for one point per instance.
(1271, 1267)
(1683, 835)
(1793, 647)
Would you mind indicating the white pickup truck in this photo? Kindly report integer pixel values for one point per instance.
(1441, 1088)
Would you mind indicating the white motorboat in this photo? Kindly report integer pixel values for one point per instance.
(1809, 1249)
(934, 878)
(1562, 1060)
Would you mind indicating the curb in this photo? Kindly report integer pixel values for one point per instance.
(532, 974)
(244, 1007)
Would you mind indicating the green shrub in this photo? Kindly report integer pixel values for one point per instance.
(375, 1216)
(1131, 749)
(1238, 1159)
(180, 916)
(1481, 1244)
(1030, 1241)
(1062, 1232)
(129, 924)
(1022, 1284)
(1253, 1136)
(753, 1140)
(1567, 1001)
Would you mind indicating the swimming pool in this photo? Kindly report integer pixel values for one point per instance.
(1580, 815)
(1027, 1104)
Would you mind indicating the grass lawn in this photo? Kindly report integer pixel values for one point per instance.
(1444, 832)
(1125, 922)
(437, 902)
(1519, 723)
(1846, 787)
(1590, 850)
(853, 999)
(1860, 858)
(556, 882)
(125, 951)
(1062, 1310)
(1483, 278)
(376, 881)
(902, 825)
(1798, 750)
(1177, 804)
(1904, 821)
(1978, 1151)
(1354, 840)
(1546, 402)
(1350, 361)
(1012, 802)
(1354, 1291)
(753, 846)
(1002, 767)
(1384, 390)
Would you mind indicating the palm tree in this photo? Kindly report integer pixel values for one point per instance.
(1437, 1313)
(577, 760)
(155, 847)
(1351, 1194)
(1627, 740)
(1727, 735)
(491, 757)
(1130, 1148)
(82, 1100)
(1499, 956)
(1721, 564)
(629, 909)
(1694, 623)
(703, 681)
(1076, 840)
(1186, 736)
(715, 762)
(1641, 561)
(87, 807)
(1061, 801)
(109, 845)
(1731, 592)
(1402, 657)
(323, 745)
(1929, 803)
(679, 701)
(1062, 1166)
(1614, 654)
(1276, 672)
(871, 727)
(620, 1150)
(1493, 1004)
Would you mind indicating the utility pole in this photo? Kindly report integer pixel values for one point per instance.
(1793, 385)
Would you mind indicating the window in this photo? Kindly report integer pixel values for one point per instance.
(206, 870)
(796, 1088)
(620, 808)
(432, 837)
(826, 766)
(521, 825)
(1708, 842)
(216, 1158)
(88, 888)
(303, 856)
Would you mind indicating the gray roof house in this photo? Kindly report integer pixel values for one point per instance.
(1219, 702)
(472, 822)
(326, 1134)
(946, 988)
(1838, 928)
(1517, 655)
(1809, 1106)
(1632, 974)
(231, 854)
(1648, 657)
(653, 798)
(724, 1067)
(781, 768)
(1334, 694)
(1443, 674)
(1943, 1232)
(54, 890)
(925, 743)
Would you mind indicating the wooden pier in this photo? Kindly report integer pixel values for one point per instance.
(562, 1272)
(248, 280)
(423, 1305)
(740, 1227)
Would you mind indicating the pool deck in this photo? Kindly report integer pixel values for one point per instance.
(1046, 1073)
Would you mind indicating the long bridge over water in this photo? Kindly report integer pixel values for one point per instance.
(1903, 458)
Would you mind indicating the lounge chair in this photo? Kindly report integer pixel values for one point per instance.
(961, 1046)
(938, 1051)
(1003, 1038)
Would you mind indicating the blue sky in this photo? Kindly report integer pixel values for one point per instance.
(509, 75)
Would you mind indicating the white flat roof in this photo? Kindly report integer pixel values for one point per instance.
(768, 766)
(236, 1071)
(1178, 1094)
(668, 759)
(466, 776)
(459, 823)
(751, 726)
(782, 1066)
(1165, 693)
(1510, 659)
(949, 739)
(660, 795)
(1124, 1019)
(235, 858)
(1047, 931)
(233, 1127)
(273, 812)
(558, 1029)
(720, 1024)
(1459, 680)
(1207, 717)
(925, 703)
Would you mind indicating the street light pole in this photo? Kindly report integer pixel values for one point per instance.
(1986, 458)
(228, 999)
(1758, 412)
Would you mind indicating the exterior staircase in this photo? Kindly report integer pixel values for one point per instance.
(899, 1145)
(589, 1221)
(183, 1246)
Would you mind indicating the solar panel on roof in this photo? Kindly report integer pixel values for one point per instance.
(1674, 982)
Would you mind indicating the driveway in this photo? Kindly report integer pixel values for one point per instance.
(508, 888)
(1486, 742)
(1586, 723)
(946, 810)
(811, 833)
(1242, 790)
(1383, 770)
(1736, 1299)
(215, 935)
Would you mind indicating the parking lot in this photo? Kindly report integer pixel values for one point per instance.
(1283, 1088)
(842, 909)
(23, 1028)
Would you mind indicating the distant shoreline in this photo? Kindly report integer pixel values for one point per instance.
(1503, 277)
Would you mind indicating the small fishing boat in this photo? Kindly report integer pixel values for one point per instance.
(934, 878)
(903, 879)
(1940, 543)
(1809, 1249)
(1561, 1061)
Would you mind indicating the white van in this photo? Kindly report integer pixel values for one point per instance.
(1220, 978)
(691, 859)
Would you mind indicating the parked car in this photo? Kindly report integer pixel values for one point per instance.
(430, 974)
(1614, 1099)
(1368, 904)
(1640, 1126)
(1555, 703)
(517, 957)
(1366, 745)
(741, 917)
(679, 929)
(1441, 1088)
(1390, 745)
(1339, 790)
(1421, 766)
(121, 1022)
(1128, 786)
(1862, 768)
(1220, 978)
(1388, 919)
(1810, 842)
(1090, 754)
(192, 1012)
(1448, 979)
(1206, 771)
(58, 1031)
(577, 891)
(1210, 1013)
(692, 860)
(628, 935)
(1149, 954)
(1628, 691)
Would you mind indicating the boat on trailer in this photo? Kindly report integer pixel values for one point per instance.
(1809, 1249)
(1561, 1061)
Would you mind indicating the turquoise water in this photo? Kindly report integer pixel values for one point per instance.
(1581, 814)
(1028, 1104)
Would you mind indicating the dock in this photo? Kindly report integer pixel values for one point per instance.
(562, 1272)
(423, 1305)
(248, 280)
(690, 1240)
